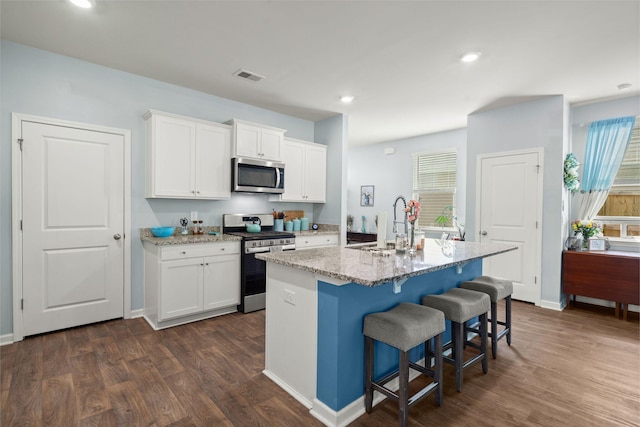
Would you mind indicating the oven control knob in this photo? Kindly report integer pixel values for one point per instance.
(271, 242)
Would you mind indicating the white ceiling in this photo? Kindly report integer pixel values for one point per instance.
(400, 59)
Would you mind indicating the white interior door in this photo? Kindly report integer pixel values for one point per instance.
(509, 213)
(73, 226)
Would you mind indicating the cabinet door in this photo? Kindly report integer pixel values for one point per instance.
(271, 144)
(180, 288)
(213, 162)
(293, 157)
(315, 174)
(316, 241)
(247, 140)
(221, 281)
(172, 148)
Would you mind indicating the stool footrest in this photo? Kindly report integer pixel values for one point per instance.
(425, 391)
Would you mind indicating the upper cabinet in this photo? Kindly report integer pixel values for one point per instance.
(256, 141)
(305, 178)
(187, 158)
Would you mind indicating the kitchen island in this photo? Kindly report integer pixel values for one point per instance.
(316, 301)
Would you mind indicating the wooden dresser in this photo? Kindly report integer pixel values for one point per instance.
(608, 275)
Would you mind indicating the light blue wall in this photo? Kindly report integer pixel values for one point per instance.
(392, 174)
(332, 132)
(539, 123)
(45, 84)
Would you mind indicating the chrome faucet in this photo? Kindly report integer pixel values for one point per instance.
(395, 221)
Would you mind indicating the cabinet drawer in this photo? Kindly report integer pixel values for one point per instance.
(303, 242)
(199, 250)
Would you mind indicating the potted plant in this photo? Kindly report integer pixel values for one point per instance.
(448, 218)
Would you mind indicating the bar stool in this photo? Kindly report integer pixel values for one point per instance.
(459, 306)
(498, 289)
(405, 326)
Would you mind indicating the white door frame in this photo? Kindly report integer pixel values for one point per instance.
(540, 152)
(16, 209)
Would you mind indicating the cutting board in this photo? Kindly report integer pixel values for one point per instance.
(291, 215)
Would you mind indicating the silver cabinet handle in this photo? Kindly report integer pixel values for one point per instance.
(117, 236)
(484, 233)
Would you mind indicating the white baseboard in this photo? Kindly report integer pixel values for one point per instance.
(288, 389)
(552, 305)
(137, 313)
(6, 339)
(604, 303)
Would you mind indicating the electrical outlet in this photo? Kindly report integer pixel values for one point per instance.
(194, 215)
(290, 297)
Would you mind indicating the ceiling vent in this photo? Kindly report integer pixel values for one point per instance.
(248, 75)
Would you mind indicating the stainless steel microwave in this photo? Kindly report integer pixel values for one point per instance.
(257, 176)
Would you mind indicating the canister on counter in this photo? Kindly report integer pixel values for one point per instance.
(304, 224)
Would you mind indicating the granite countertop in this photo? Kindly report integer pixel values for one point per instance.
(187, 239)
(358, 265)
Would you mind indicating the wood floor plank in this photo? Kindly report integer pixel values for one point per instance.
(24, 402)
(91, 395)
(129, 406)
(58, 401)
(112, 366)
(201, 409)
(157, 394)
(55, 355)
(579, 367)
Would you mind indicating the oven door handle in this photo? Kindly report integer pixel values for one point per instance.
(256, 250)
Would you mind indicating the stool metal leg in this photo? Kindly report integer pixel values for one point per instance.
(494, 329)
(483, 342)
(403, 389)
(507, 301)
(368, 356)
(437, 369)
(457, 330)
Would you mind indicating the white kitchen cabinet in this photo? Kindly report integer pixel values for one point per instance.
(180, 288)
(185, 283)
(187, 158)
(256, 141)
(305, 178)
(309, 241)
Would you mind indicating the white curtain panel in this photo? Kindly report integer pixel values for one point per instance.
(591, 203)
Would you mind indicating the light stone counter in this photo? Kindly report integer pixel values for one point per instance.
(358, 265)
(188, 239)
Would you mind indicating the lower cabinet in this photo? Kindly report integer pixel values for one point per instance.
(184, 283)
(316, 241)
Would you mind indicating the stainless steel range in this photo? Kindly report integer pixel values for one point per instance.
(254, 271)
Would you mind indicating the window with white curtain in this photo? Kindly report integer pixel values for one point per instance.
(620, 214)
(434, 183)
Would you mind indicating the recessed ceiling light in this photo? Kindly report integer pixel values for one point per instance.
(84, 4)
(346, 99)
(624, 86)
(470, 56)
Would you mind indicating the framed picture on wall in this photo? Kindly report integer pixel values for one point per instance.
(366, 195)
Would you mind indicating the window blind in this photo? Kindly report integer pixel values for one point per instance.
(434, 181)
(629, 172)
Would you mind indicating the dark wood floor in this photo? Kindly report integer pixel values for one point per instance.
(580, 367)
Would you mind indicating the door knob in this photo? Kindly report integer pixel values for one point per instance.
(484, 233)
(117, 236)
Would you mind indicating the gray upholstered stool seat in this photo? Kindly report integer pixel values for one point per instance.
(498, 289)
(460, 306)
(404, 327)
